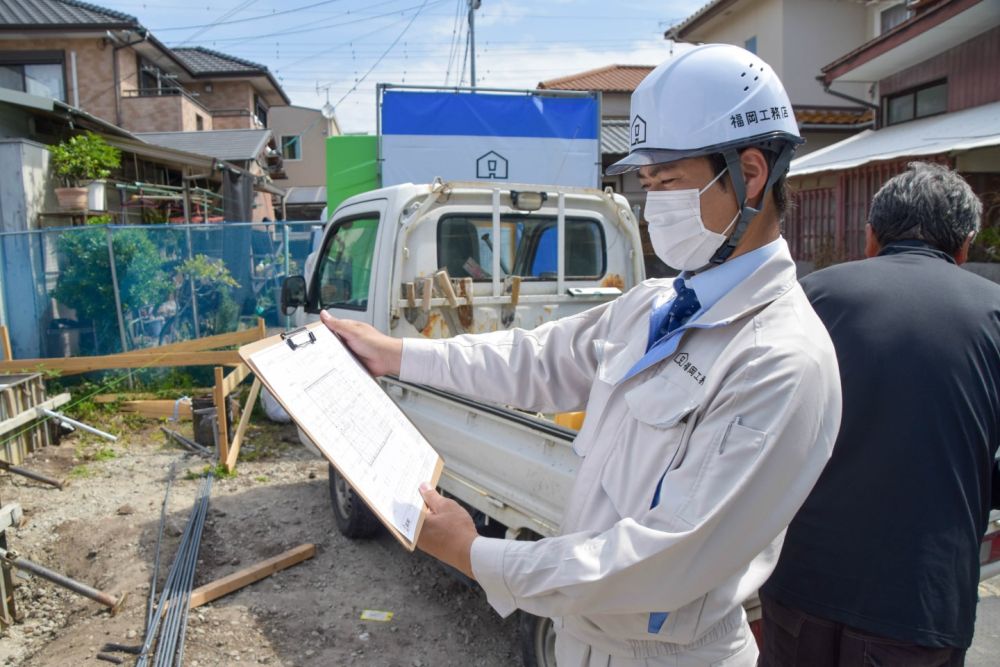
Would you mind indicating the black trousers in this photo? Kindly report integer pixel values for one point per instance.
(793, 638)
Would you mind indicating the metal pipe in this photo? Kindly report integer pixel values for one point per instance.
(561, 245)
(114, 285)
(76, 81)
(90, 429)
(38, 477)
(107, 599)
(497, 244)
(473, 4)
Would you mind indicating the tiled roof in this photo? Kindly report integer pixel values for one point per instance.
(705, 12)
(221, 144)
(821, 116)
(614, 137)
(200, 60)
(59, 13)
(608, 79)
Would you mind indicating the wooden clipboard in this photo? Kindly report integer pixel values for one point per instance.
(303, 339)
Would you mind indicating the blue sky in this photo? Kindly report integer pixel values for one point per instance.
(341, 48)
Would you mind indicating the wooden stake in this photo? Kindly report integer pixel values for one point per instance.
(8, 353)
(219, 397)
(241, 429)
(246, 576)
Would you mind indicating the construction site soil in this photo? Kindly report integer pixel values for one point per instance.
(101, 529)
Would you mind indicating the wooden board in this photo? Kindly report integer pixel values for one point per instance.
(146, 359)
(248, 575)
(158, 408)
(209, 342)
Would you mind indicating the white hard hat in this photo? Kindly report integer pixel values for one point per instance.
(708, 99)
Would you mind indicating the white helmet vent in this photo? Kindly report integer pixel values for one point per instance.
(755, 78)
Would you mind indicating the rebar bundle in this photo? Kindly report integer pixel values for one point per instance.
(169, 620)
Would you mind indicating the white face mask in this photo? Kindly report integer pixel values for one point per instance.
(676, 230)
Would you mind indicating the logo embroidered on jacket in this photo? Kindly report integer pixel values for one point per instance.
(682, 360)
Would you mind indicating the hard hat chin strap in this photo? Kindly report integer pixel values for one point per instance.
(748, 213)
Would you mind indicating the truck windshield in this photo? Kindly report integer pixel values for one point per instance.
(346, 268)
(527, 247)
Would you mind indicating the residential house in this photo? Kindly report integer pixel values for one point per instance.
(797, 37)
(104, 63)
(938, 95)
(301, 135)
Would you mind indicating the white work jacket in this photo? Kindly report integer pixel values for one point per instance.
(737, 423)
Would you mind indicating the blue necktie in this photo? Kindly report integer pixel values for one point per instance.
(685, 305)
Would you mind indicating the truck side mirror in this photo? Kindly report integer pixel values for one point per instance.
(293, 294)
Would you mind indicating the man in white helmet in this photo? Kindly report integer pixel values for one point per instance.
(712, 401)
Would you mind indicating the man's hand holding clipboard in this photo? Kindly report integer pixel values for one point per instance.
(447, 532)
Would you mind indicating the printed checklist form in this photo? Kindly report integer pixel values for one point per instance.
(352, 421)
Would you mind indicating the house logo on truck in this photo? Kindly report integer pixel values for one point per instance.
(492, 165)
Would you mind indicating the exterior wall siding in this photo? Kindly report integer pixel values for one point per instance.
(970, 69)
(310, 169)
(93, 66)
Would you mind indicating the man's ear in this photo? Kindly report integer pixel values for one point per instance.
(872, 246)
(755, 171)
(962, 254)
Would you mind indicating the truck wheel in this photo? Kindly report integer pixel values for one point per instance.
(353, 517)
(538, 640)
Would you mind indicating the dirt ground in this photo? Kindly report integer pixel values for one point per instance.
(101, 529)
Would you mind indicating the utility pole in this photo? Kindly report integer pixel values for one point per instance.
(473, 6)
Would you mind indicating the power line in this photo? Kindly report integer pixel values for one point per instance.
(314, 55)
(246, 20)
(455, 32)
(314, 26)
(396, 41)
(232, 12)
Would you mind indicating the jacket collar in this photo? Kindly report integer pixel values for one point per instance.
(917, 247)
(769, 281)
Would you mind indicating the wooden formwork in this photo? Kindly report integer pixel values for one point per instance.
(20, 396)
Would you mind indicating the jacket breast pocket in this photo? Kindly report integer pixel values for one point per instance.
(651, 442)
(720, 469)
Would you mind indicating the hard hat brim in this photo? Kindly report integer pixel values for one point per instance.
(643, 157)
(646, 157)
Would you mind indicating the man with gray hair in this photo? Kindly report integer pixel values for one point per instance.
(881, 564)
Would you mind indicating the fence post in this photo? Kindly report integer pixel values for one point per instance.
(114, 285)
(194, 292)
(285, 236)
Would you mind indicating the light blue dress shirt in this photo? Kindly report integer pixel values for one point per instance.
(709, 286)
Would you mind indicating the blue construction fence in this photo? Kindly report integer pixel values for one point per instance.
(103, 289)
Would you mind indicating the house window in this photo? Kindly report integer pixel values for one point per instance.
(291, 147)
(893, 16)
(154, 81)
(39, 73)
(199, 122)
(751, 44)
(928, 100)
(260, 110)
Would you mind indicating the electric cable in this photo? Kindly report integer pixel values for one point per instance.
(232, 12)
(372, 68)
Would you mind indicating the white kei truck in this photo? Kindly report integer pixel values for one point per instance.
(448, 258)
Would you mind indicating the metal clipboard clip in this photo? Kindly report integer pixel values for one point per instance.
(289, 337)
